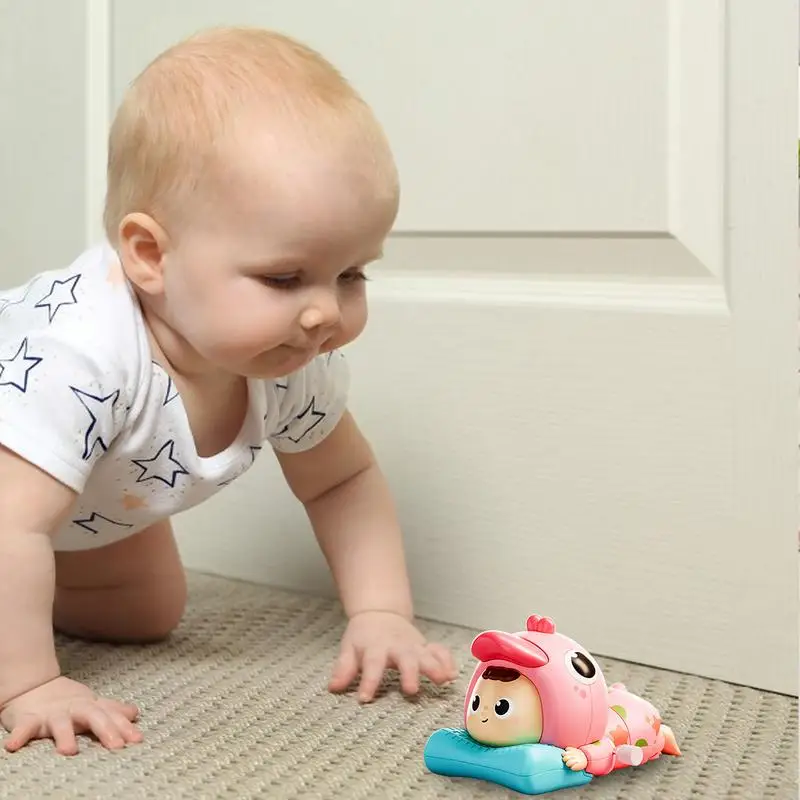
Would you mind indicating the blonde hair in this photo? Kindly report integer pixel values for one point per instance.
(176, 114)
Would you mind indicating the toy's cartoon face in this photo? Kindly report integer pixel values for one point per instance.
(504, 709)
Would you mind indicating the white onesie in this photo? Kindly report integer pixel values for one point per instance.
(82, 399)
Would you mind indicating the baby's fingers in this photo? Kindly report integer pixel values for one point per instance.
(25, 731)
(93, 718)
(433, 668)
(63, 732)
(129, 732)
(445, 658)
(345, 671)
(408, 666)
(372, 667)
(128, 710)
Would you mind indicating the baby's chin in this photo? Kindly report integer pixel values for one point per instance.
(275, 365)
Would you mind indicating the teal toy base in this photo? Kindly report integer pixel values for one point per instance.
(525, 768)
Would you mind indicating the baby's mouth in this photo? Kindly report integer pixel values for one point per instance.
(485, 720)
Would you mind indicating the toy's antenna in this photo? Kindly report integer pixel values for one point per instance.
(541, 624)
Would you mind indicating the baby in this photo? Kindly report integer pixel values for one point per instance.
(249, 186)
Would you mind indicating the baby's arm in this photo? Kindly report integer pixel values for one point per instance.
(31, 505)
(353, 515)
(351, 510)
(35, 700)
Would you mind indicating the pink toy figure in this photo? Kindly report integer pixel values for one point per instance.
(541, 686)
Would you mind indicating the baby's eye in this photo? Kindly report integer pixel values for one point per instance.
(476, 702)
(353, 276)
(280, 281)
(502, 707)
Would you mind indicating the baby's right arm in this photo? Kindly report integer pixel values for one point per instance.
(32, 506)
(35, 700)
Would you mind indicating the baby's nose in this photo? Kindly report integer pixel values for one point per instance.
(322, 312)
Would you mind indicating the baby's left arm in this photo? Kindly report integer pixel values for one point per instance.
(353, 516)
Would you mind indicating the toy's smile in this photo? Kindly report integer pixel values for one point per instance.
(485, 720)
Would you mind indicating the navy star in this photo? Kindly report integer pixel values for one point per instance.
(284, 387)
(14, 371)
(161, 464)
(171, 392)
(310, 413)
(87, 523)
(5, 302)
(94, 405)
(62, 293)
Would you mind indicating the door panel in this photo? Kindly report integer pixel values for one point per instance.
(584, 323)
(527, 111)
(43, 193)
(578, 372)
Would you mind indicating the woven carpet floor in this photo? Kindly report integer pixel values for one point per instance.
(235, 706)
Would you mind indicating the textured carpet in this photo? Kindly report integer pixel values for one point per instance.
(235, 706)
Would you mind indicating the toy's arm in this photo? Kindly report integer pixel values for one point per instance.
(600, 756)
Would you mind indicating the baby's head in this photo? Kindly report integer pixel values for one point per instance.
(504, 709)
(248, 187)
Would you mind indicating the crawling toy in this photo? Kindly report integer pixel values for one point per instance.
(538, 716)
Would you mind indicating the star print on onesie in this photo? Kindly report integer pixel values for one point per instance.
(90, 523)
(98, 417)
(9, 301)
(62, 293)
(82, 399)
(161, 467)
(312, 418)
(14, 371)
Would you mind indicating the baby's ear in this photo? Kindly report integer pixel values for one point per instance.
(142, 245)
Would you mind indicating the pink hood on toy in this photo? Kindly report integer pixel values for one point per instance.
(571, 686)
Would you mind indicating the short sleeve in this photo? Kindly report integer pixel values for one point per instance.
(60, 407)
(309, 403)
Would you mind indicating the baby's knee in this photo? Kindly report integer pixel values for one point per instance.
(162, 613)
(141, 613)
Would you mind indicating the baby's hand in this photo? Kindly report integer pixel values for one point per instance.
(377, 640)
(575, 759)
(61, 708)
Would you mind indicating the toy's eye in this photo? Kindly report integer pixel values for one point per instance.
(582, 666)
(502, 707)
(476, 702)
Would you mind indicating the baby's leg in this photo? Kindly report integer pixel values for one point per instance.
(131, 591)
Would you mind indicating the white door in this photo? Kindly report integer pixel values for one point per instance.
(579, 371)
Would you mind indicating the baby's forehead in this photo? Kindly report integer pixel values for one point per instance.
(228, 94)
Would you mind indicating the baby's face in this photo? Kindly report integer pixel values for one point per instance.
(504, 713)
(268, 273)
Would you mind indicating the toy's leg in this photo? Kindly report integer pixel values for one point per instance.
(629, 755)
(670, 744)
